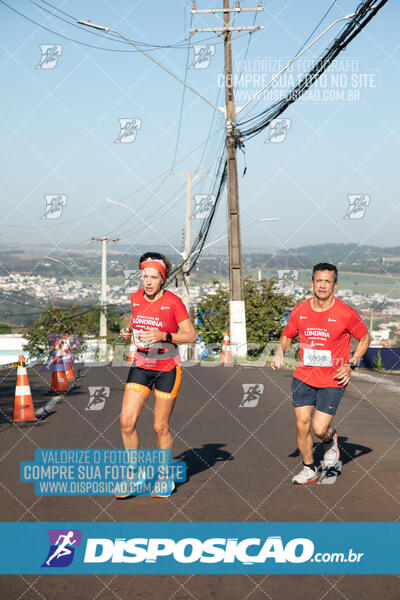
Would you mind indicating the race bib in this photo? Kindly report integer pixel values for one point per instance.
(137, 340)
(317, 358)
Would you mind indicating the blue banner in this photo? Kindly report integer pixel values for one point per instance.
(200, 548)
(102, 472)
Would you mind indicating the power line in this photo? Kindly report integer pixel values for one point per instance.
(182, 103)
(113, 39)
(364, 13)
(72, 39)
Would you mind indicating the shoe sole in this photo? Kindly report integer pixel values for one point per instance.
(131, 494)
(305, 482)
(125, 497)
(337, 445)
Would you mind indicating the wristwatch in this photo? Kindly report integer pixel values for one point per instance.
(352, 365)
(168, 337)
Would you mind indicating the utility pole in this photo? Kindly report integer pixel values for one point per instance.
(186, 251)
(237, 313)
(103, 295)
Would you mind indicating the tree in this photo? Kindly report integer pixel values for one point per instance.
(73, 319)
(4, 328)
(266, 314)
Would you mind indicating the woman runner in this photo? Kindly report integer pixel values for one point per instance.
(159, 322)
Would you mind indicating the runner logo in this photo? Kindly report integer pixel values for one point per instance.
(132, 281)
(251, 394)
(203, 205)
(128, 130)
(286, 280)
(50, 55)
(301, 317)
(333, 320)
(329, 474)
(278, 129)
(98, 397)
(358, 204)
(165, 307)
(62, 547)
(55, 204)
(202, 56)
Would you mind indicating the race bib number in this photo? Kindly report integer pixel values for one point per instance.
(137, 340)
(317, 358)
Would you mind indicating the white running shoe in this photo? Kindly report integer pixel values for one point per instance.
(306, 475)
(332, 455)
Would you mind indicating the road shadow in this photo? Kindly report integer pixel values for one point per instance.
(348, 450)
(201, 459)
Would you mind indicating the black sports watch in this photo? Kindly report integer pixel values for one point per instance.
(168, 337)
(352, 365)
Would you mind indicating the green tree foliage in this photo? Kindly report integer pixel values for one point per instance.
(71, 319)
(4, 328)
(266, 313)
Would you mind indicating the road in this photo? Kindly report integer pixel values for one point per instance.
(240, 453)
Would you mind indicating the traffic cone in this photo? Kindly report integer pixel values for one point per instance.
(67, 360)
(59, 381)
(24, 411)
(226, 358)
(132, 352)
(111, 355)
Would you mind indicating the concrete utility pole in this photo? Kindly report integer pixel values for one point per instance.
(184, 349)
(237, 313)
(103, 295)
(186, 251)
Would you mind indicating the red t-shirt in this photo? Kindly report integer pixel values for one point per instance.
(324, 340)
(164, 314)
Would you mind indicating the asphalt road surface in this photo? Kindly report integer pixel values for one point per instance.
(234, 428)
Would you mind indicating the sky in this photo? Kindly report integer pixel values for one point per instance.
(61, 123)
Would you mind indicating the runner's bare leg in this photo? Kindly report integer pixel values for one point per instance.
(304, 437)
(321, 425)
(162, 413)
(132, 406)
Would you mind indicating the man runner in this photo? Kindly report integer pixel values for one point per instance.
(325, 325)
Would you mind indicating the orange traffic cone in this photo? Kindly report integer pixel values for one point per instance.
(24, 411)
(111, 355)
(226, 358)
(132, 352)
(59, 381)
(67, 359)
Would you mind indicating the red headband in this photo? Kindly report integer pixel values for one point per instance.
(155, 263)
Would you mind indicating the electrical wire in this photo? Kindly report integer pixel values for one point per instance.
(182, 103)
(363, 14)
(112, 37)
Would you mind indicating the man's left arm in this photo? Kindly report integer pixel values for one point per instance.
(343, 374)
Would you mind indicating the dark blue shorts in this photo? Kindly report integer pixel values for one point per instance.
(324, 399)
